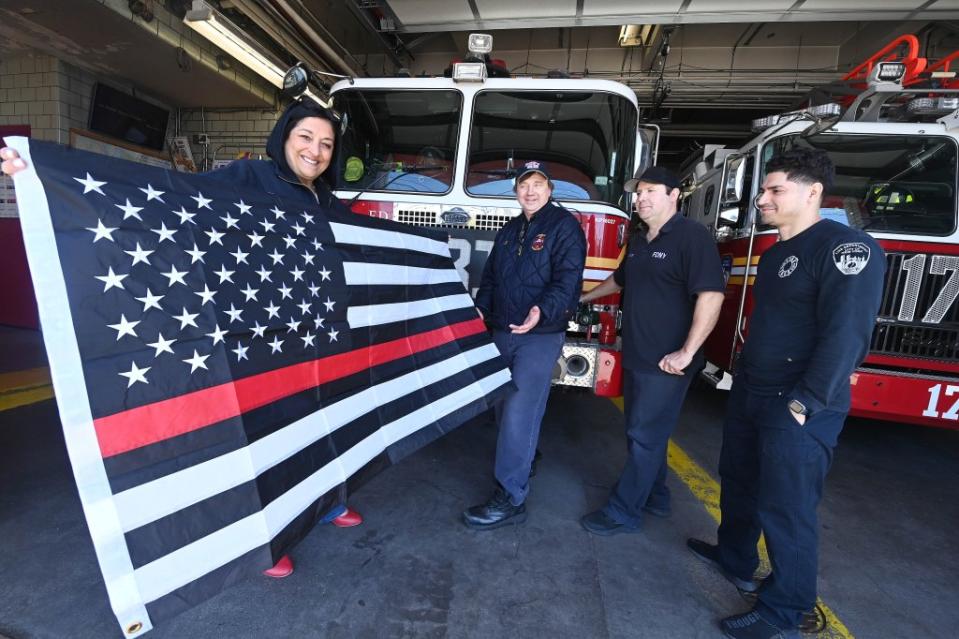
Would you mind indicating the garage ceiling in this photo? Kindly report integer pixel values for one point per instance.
(457, 15)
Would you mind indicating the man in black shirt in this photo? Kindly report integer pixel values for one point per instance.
(816, 296)
(674, 289)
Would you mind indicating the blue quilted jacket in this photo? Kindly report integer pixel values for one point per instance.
(534, 263)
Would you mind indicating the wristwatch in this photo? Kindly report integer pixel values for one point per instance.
(797, 406)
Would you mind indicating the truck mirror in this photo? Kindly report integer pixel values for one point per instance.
(295, 81)
(735, 176)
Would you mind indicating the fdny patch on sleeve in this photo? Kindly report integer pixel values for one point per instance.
(538, 242)
(851, 258)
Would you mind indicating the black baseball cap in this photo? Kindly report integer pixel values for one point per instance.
(653, 175)
(534, 166)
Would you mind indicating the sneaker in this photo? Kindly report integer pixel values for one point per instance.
(283, 568)
(497, 511)
(599, 523)
(709, 555)
(751, 625)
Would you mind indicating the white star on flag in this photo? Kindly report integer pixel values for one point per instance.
(197, 361)
(317, 246)
(297, 274)
(258, 331)
(185, 216)
(308, 219)
(276, 256)
(240, 256)
(139, 255)
(218, 334)
(329, 304)
(164, 233)
(150, 301)
(201, 202)
(299, 230)
(206, 295)
(125, 327)
(256, 239)
(196, 254)
(314, 290)
(112, 280)
(289, 241)
(294, 325)
(162, 345)
(285, 292)
(234, 313)
(240, 351)
(325, 274)
(229, 220)
(243, 206)
(280, 215)
(318, 322)
(276, 344)
(307, 339)
(267, 226)
(187, 319)
(152, 194)
(130, 211)
(175, 276)
(307, 257)
(215, 236)
(264, 274)
(89, 184)
(135, 375)
(102, 231)
(224, 275)
(272, 311)
(333, 333)
(304, 307)
(250, 293)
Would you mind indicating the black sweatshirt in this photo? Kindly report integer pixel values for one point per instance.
(816, 299)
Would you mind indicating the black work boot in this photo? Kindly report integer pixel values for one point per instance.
(497, 511)
(709, 554)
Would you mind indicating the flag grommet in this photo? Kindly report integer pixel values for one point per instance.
(134, 628)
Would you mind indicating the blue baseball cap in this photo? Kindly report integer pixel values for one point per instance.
(653, 175)
(534, 166)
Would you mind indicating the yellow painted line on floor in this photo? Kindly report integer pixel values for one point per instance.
(706, 490)
(21, 388)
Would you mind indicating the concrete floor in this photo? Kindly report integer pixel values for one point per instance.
(889, 559)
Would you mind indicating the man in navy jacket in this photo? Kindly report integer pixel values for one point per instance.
(528, 294)
(816, 297)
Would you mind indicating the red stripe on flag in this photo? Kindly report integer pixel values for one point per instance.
(169, 418)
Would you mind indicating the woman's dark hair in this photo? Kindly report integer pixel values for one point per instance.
(303, 108)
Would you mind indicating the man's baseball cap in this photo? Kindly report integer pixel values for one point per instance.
(653, 175)
(533, 166)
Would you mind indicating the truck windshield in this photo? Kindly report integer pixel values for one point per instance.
(397, 140)
(886, 183)
(587, 139)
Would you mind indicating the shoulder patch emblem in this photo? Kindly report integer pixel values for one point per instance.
(851, 258)
(538, 242)
(788, 266)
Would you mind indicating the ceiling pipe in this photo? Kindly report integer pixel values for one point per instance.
(314, 38)
(300, 49)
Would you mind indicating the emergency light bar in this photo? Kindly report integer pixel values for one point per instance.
(821, 111)
(932, 106)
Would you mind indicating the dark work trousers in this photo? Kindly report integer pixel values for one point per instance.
(531, 358)
(651, 403)
(772, 471)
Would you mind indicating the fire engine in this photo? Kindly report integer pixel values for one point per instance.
(894, 142)
(443, 152)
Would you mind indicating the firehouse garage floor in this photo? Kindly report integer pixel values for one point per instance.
(889, 551)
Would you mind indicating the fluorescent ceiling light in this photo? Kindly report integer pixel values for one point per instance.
(219, 30)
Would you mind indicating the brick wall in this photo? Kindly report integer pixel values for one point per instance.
(29, 94)
(230, 131)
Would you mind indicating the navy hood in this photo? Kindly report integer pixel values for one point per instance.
(303, 108)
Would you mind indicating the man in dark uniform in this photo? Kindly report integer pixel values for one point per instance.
(674, 289)
(527, 295)
(816, 297)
